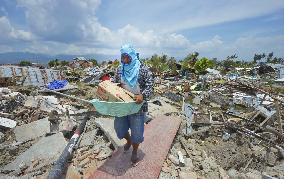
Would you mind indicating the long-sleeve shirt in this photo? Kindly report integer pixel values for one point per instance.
(145, 80)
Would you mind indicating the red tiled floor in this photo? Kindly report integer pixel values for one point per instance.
(158, 138)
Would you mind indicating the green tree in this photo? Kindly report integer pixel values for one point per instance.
(258, 57)
(277, 60)
(189, 61)
(269, 57)
(164, 58)
(201, 65)
(51, 63)
(116, 63)
(172, 66)
(25, 63)
(158, 64)
(64, 63)
(228, 63)
(54, 63)
(94, 61)
(232, 57)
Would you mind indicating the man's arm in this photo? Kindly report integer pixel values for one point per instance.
(149, 81)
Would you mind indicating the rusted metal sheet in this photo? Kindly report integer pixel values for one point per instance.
(29, 76)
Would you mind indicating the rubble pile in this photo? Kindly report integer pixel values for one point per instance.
(231, 127)
(230, 130)
(28, 122)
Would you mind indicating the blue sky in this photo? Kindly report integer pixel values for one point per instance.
(176, 28)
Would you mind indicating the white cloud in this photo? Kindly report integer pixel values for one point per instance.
(215, 42)
(174, 16)
(212, 12)
(77, 24)
(8, 33)
(73, 27)
(63, 20)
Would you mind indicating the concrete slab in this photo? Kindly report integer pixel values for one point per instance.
(7, 123)
(159, 135)
(155, 110)
(107, 125)
(47, 148)
(32, 130)
(32, 101)
(12, 177)
(45, 103)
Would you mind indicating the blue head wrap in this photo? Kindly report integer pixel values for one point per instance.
(129, 72)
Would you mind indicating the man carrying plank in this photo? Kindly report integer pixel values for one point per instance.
(136, 78)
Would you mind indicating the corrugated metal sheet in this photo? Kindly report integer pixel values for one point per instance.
(7, 72)
(30, 75)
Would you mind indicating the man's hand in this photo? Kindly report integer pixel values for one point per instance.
(138, 98)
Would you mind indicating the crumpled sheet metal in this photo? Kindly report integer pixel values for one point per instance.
(30, 76)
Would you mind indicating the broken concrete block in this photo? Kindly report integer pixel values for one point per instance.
(84, 162)
(188, 163)
(166, 169)
(173, 159)
(50, 103)
(32, 130)
(31, 101)
(270, 159)
(7, 123)
(166, 107)
(196, 100)
(104, 154)
(23, 166)
(67, 128)
(187, 175)
(181, 158)
(223, 173)
(265, 112)
(67, 125)
(45, 103)
(214, 105)
(2, 137)
(253, 174)
(84, 156)
(5, 90)
(233, 173)
(88, 138)
(107, 126)
(47, 148)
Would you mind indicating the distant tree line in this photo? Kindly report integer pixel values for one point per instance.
(25, 63)
(269, 58)
(192, 62)
(57, 63)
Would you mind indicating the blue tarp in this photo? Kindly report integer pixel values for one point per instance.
(57, 84)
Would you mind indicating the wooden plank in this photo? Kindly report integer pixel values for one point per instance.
(159, 135)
